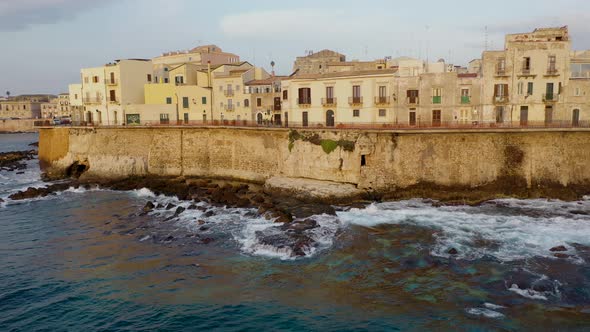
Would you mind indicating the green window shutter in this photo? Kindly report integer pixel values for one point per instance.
(185, 102)
(168, 100)
(204, 100)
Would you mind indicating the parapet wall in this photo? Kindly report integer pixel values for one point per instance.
(17, 125)
(375, 160)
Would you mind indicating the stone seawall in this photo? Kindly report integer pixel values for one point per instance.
(398, 164)
(16, 126)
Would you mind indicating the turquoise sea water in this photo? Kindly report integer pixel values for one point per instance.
(87, 260)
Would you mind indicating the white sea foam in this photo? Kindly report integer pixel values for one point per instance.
(484, 312)
(508, 237)
(528, 293)
(144, 192)
(493, 306)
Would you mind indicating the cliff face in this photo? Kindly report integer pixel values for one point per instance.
(384, 162)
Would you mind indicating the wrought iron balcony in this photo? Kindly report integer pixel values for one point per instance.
(381, 100)
(355, 100)
(305, 101)
(502, 99)
(329, 102)
(550, 97)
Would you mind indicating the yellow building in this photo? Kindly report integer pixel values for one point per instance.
(56, 107)
(265, 100)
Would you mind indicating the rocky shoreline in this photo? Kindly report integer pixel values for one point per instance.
(14, 161)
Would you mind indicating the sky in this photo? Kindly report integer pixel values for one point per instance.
(46, 42)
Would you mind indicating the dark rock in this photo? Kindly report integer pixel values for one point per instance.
(257, 198)
(170, 206)
(543, 285)
(149, 206)
(204, 228)
(192, 207)
(170, 238)
(207, 240)
(580, 212)
(1, 200)
(201, 222)
(160, 206)
(453, 251)
(300, 225)
(561, 255)
(179, 210)
(209, 213)
(297, 242)
(558, 248)
(20, 172)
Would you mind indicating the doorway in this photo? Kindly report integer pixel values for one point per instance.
(524, 115)
(305, 119)
(259, 118)
(278, 120)
(576, 117)
(412, 118)
(436, 118)
(330, 118)
(548, 115)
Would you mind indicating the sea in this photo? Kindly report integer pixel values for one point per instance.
(89, 260)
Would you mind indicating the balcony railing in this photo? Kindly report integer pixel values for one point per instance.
(381, 100)
(355, 100)
(113, 100)
(552, 71)
(465, 99)
(526, 71)
(500, 99)
(329, 102)
(550, 97)
(436, 99)
(413, 100)
(230, 108)
(92, 100)
(305, 101)
(501, 71)
(276, 107)
(113, 81)
(228, 93)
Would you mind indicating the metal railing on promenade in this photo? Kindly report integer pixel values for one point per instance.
(418, 125)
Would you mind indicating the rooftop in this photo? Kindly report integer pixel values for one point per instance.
(345, 74)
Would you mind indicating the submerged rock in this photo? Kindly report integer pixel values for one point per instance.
(453, 252)
(558, 249)
(149, 206)
(179, 210)
(170, 206)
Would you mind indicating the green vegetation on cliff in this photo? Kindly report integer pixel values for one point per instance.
(327, 145)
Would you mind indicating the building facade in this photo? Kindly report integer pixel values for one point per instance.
(23, 107)
(57, 107)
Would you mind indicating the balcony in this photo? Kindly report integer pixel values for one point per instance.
(329, 102)
(413, 100)
(113, 100)
(355, 101)
(228, 93)
(526, 71)
(550, 97)
(436, 99)
(465, 99)
(501, 99)
(276, 107)
(92, 100)
(113, 81)
(552, 71)
(305, 101)
(230, 108)
(382, 100)
(501, 71)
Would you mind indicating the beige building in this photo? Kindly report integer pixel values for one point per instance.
(56, 107)
(106, 91)
(230, 98)
(526, 82)
(23, 107)
(201, 55)
(327, 61)
(266, 100)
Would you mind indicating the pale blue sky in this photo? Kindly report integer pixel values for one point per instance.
(46, 42)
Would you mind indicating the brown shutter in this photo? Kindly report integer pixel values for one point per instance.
(496, 89)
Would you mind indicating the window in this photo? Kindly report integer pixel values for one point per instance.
(164, 119)
(526, 65)
(184, 102)
(382, 112)
(165, 68)
(304, 96)
(412, 96)
(285, 94)
(112, 96)
(465, 98)
(356, 113)
(179, 79)
(246, 103)
(356, 91)
(95, 79)
(149, 77)
(577, 92)
(436, 95)
(329, 92)
(520, 88)
(500, 92)
(259, 102)
(552, 65)
(168, 100)
(86, 80)
(76, 96)
(204, 100)
(382, 91)
(501, 66)
(166, 80)
(529, 89)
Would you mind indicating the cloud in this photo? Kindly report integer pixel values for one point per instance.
(19, 14)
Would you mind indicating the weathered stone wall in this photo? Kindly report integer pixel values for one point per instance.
(21, 125)
(392, 160)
